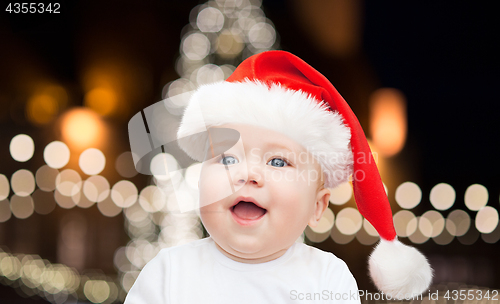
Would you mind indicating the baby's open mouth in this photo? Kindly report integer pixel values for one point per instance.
(248, 210)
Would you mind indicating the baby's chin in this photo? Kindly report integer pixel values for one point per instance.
(253, 251)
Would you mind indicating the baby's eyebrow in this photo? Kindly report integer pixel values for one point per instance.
(219, 147)
(278, 146)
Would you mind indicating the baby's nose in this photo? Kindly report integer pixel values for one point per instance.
(249, 173)
(255, 175)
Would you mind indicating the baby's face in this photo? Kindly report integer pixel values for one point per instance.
(277, 193)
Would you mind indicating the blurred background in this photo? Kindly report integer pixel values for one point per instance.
(78, 223)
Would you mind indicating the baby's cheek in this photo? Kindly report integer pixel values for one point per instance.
(210, 222)
(213, 188)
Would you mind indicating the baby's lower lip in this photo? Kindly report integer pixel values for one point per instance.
(246, 222)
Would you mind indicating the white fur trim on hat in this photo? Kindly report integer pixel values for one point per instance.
(293, 113)
(399, 270)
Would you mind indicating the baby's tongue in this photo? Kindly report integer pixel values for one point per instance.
(248, 211)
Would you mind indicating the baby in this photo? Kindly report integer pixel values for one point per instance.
(296, 138)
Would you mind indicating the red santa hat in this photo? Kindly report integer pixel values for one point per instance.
(279, 91)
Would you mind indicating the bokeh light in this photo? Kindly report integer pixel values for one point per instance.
(10, 266)
(349, 221)
(471, 236)
(68, 182)
(124, 194)
(405, 223)
(5, 213)
(425, 226)
(262, 35)
(96, 188)
(139, 252)
(22, 182)
(97, 291)
(209, 73)
(442, 196)
(56, 154)
(64, 201)
(146, 229)
(4, 187)
(46, 178)
(81, 128)
(388, 122)
(341, 194)
(44, 105)
(314, 236)
(164, 166)
(369, 228)
(159, 167)
(22, 206)
(108, 207)
(22, 147)
(102, 100)
(486, 219)
(120, 260)
(41, 109)
(44, 201)
(196, 46)
(210, 19)
(82, 201)
(458, 222)
(476, 197)
(229, 44)
(135, 213)
(365, 235)
(493, 237)
(444, 238)
(431, 223)
(408, 195)
(417, 237)
(125, 165)
(339, 237)
(152, 199)
(178, 87)
(128, 279)
(92, 161)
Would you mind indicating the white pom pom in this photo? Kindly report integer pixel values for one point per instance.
(399, 270)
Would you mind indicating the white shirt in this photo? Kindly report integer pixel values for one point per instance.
(198, 272)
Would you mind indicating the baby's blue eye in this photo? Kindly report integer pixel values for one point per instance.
(277, 162)
(229, 160)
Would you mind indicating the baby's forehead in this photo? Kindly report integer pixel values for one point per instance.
(260, 140)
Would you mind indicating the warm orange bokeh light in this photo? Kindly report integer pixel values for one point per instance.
(81, 128)
(335, 25)
(111, 86)
(388, 122)
(102, 100)
(41, 109)
(44, 105)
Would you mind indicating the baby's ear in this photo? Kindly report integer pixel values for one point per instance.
(320, 205)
